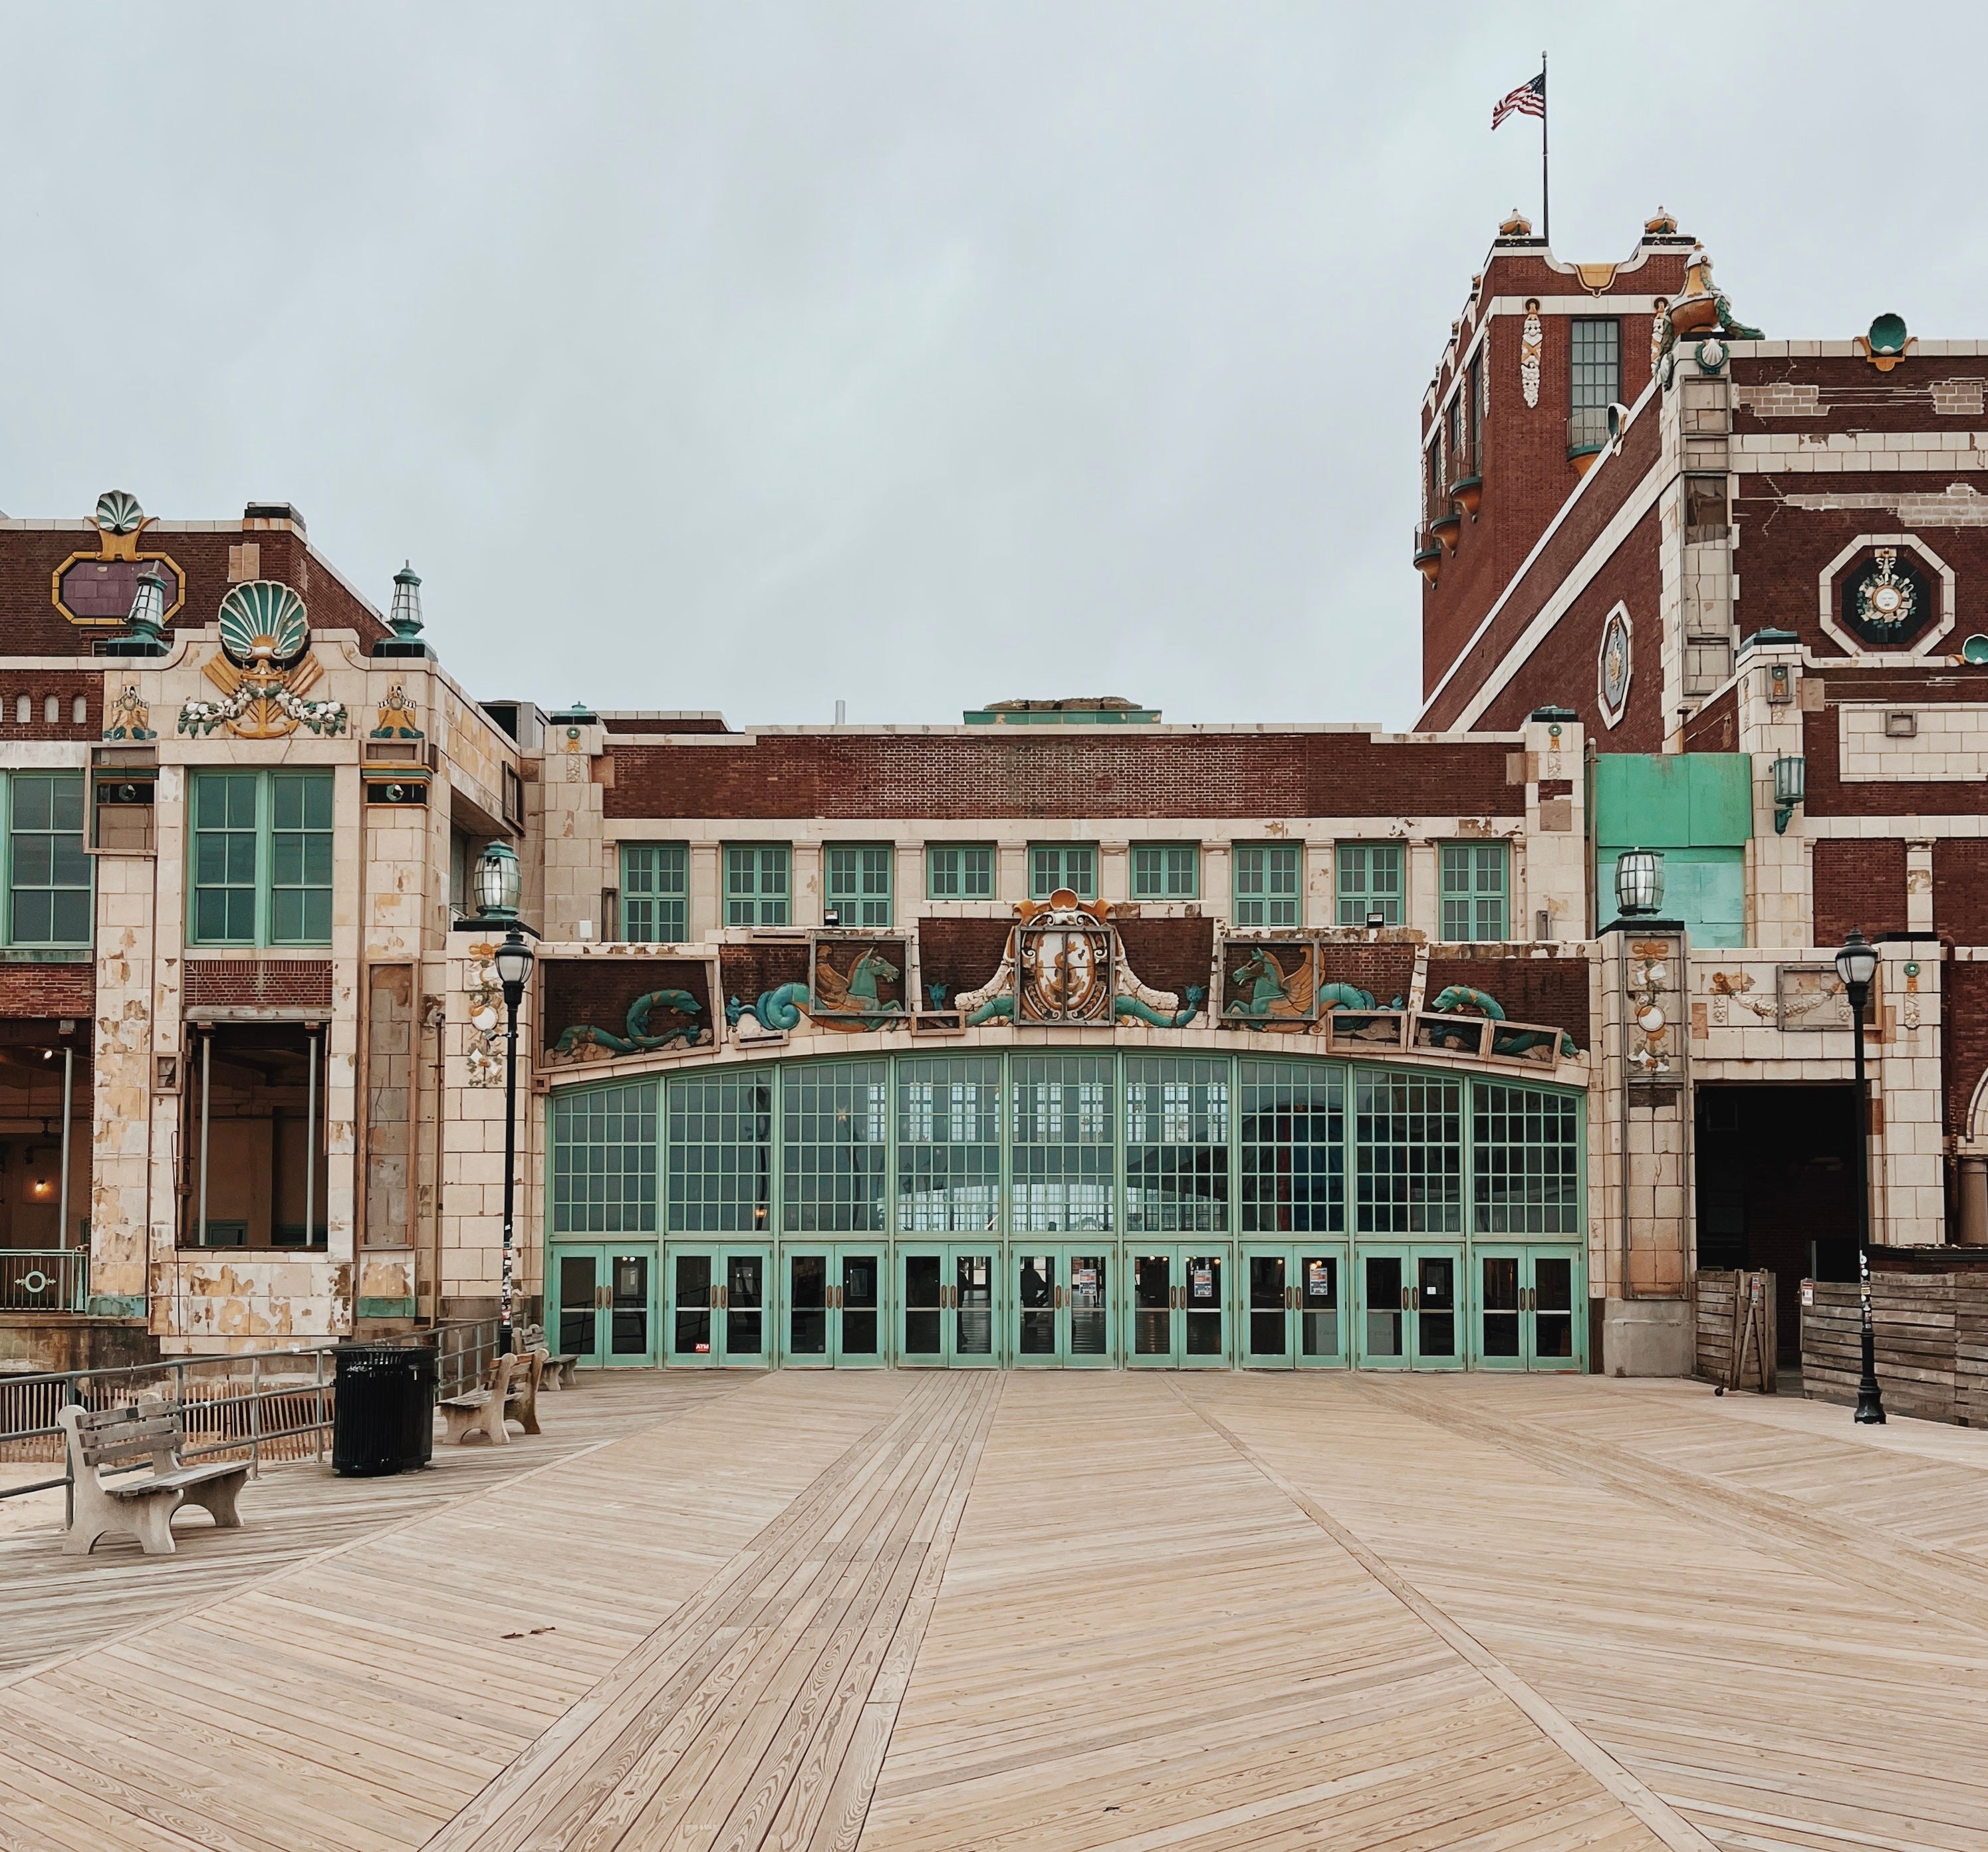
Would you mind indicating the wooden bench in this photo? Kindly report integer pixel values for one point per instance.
(555, 1372)
(134, 1502)
(510, 1393)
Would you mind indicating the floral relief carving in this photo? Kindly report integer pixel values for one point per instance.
(1530, 345)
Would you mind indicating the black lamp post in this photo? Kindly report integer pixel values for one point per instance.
(1857, 965)
(497, 901)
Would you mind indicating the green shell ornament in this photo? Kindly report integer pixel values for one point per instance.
(118, 512)
(263, 622)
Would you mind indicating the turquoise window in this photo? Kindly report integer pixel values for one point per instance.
(1698, 808)
(835, 1118)
(1269, 877)
(1525, 1161)
(756, 883)
(1055, 865)
(262, 858)
(1476, 891)
(1166, 871)
(859, 882)
(655, 892)
(604, 1159)
(720, 1154)
(960, 871)
(1370, 881)
(949, 1143)
(1597, 382)
(1407, 1153)
(48, 873)
(1292, 1144)
(1064, 1155)
(1176, 1144)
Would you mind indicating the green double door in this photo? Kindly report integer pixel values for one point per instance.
(603, 1308)
(1177, 1296)
(1062, 1304)
(1411, 1314)
(832, 1302)
(719, 1308)
(1524, 1316)
(948, 1300)
(1293, 1301)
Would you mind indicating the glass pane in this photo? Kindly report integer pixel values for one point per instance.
(576, 1313)
(1204, 1306)
(1035, 1288)
(807, 1304)
(862, 1278)
(948, 1144)
(1176, 1144)
(1525, 1161)
(1499, 1275)
(1408, 1150)
(1318, 1284)
(834, 1117)
(604, 1159)
(1266, 1306)
(1089, 1303)
(692, 1334)
(921, 1305)
(1435, 1325)
(1152, 1302)
(1382, 1305)
(1553, 1306)
(51, 878)
(973, 1314)
(1063, 1142)
(1292, 1148)
(720, 1152)
(630, 1311)
(745, 1298)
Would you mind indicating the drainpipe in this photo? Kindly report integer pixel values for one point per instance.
(69, 1098)
(206, 1096)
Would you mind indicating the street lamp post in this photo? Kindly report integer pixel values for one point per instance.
(497, 900)
(1857, 965)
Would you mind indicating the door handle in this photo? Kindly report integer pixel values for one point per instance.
(1415, 1299)
(1405, 1298)
(721, 1298)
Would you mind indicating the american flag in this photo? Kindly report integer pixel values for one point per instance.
(1529, 99)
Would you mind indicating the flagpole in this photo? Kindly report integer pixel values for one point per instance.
(1546, 195)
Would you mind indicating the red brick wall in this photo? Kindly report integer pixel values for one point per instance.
(1549, 991)
(1562, 671)
(31, 626)
(1170, 955)
(598, 992)
(1960, 890)
(1384, 971)
(1854, 396)
(962, 955)
(1046, 772)
(1827, 794)
(1861, 882)
(38, 685)
(1965, 1009)
(49, 990)
(746, 971)
(258, 983)
(1715, 727)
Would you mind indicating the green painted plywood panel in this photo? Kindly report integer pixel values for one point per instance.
(1673, 800)
(1722, 798)
(1704, 888)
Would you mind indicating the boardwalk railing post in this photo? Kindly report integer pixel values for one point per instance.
(255, 1415)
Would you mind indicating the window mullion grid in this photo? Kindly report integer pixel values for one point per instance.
(7, 859)
(264, 856)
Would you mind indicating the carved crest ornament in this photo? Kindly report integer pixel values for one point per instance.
(264, 670)
(94, 591)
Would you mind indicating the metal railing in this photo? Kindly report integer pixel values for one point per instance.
(257, 1405)
(43, 1279)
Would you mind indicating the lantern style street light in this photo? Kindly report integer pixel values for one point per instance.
(1791, 786)
(497, 900)
(1857, 965)
(1639, 882)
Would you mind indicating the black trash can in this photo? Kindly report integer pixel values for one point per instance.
(383, 1413)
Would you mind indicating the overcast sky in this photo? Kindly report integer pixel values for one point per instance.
(750, 356)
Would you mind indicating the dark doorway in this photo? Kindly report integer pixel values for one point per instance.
(1773, 1189)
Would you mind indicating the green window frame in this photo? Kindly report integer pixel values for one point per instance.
(1525, 1163)
(655, 892)
(50, 889)
(1176, 1144)
(1595, 360)
(1071, 865)
(1372, 878)
(1476, 896)
(720, 1152)
(858, 881)
(1291, 1140)
(1269, 884)
(835, 1119)
(758, 883)
(959, 871)
(1062, 1143)
(261, 846)
(949, 1144)
(604, 1170)
(1408, 1135)
(1166, 871)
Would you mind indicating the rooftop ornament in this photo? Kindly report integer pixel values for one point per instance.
(1887, 343)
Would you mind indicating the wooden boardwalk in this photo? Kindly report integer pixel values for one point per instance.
(1029, 1613)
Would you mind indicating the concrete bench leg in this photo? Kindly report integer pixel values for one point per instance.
(152, 1523)
(217, 1497)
